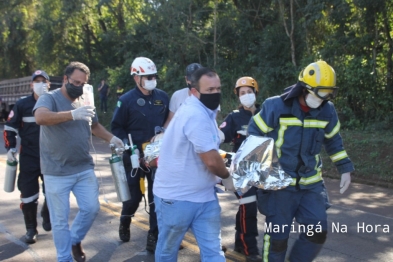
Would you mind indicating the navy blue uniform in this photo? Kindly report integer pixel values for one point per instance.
(299, 137)
(22, 122)
(246, 216)
(138, 114)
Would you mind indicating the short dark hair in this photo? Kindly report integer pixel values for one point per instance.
(191, 68)
(197, 75)
(76, 65)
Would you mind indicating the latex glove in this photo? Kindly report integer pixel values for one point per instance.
(221, 135)
(83, 113)
(345, 182)
(242, 132)
(117, 142)
(11, 154)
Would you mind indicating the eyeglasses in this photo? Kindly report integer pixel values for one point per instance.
(77, 83)
(151, 77)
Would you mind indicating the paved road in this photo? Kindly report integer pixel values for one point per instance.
(361, 225)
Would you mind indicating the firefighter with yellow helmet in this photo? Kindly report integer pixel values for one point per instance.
(234, 128)
(301, 121)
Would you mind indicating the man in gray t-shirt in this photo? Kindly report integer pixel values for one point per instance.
(66, 127)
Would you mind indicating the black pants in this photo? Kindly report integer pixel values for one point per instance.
(28, 179)
(103, 103)
(131, 206)
(246, 225)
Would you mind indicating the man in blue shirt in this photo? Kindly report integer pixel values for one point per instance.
(104, 92)
(188, 169)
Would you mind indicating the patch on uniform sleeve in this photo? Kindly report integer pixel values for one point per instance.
(158, 102)
(224, 124)
(11, 114)
(118, 103)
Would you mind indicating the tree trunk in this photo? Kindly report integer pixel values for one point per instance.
(289, 33)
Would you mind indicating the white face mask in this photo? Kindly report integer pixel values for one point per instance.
(313, 101)
(150, 84)
(247, 100)
(40, 88)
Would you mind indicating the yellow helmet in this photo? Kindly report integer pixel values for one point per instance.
(319, 78)
(246, 81)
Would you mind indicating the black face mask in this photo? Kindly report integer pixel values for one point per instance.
(74, 91)
(211, 101)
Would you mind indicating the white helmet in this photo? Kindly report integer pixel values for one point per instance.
(143, 66)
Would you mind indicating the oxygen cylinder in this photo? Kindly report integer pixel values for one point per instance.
(119, 176)
(10, 176)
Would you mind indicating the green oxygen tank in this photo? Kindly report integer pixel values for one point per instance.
(10, 175)
(119, 176)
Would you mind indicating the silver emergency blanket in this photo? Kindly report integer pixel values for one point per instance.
(256, 164)
(152, 150)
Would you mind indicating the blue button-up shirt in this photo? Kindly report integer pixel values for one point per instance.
(181, 174)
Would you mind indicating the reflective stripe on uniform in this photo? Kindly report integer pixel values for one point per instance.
(338, 156)
(314, 123)
(28, 119)
(335, 130)
(312, 179)
(29, 199)
(247, 200)
(261, 124)
(266, 246)
(8, 128)
(284, 123)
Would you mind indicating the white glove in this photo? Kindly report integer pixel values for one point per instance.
(242, 132)
(345, 182)
(221, 135)
(117, 142)
(11, 154)
(83, 113)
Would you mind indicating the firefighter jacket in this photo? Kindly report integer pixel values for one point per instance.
(22, 122)
(138, 114)
(235, 121)
(299, 138)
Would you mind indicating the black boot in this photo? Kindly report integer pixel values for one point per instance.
(151, 242)
(30, 215)
(45, 217)
(124, 230)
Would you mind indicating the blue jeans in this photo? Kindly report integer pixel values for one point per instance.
(84, 186)
(176, 217)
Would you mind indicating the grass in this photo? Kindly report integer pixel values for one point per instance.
(372, 155)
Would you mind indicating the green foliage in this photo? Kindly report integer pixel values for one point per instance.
(236, 38)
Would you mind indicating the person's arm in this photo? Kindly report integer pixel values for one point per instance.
(168, 120)
(45, 117)
(100, 131)
(101, 86)
(107, 91)
(215, 163)
(11, 128)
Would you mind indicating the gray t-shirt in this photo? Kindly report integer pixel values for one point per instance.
(64, 148)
